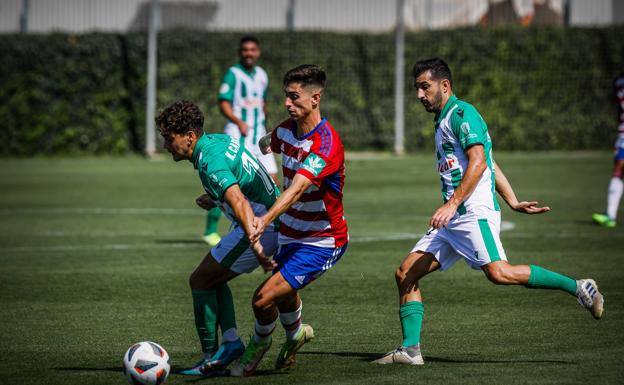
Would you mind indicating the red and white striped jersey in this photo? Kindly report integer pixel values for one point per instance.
(317, 219)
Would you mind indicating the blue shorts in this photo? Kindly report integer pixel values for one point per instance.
(301, 264)
(619, 148)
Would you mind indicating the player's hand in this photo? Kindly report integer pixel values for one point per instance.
(205, 202)
(259, 226)
(530, 208)
(242, 127)
(265, 144)
(443, 215)
(264, 261)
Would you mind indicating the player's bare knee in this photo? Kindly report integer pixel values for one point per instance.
(400, 275)
(262, 300)
(496, 275)
(199, 281)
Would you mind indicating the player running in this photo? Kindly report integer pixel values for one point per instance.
(237, 184)
(313, 231)
(616, 185)
(467, 226)
(241, 100)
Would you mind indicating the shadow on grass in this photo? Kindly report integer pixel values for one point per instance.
(226, 373)
(183, 241)
(88, 369)
(485, 361)
(363, 356)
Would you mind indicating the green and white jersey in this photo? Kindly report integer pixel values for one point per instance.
(246, 91)
(222, 162)
(459, 126)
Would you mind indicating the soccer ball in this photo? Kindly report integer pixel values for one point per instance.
(146, 363)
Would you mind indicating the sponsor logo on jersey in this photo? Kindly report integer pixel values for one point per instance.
(314, 164)
(465, 127)
(446, 165)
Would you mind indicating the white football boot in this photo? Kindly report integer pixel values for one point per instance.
(588, 295)
(400, 356)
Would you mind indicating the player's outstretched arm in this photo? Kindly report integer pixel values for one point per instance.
(504, 189)
(245, 215)
(474, 170)
(291, 195)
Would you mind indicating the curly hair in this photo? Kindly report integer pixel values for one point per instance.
(179, 118)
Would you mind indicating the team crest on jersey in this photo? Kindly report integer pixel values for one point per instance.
(465, 127)
(314, 164)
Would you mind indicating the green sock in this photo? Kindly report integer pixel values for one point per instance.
(541, 278)
(212, 220)
(205, 306)
(227, 315)
(411, 314)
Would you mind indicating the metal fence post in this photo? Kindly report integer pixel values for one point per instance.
(152, 49)
(399, 80)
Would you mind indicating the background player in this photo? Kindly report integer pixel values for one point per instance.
(616, 185)
(467, 226)
(242, 98)
(313, 230)
(235, 181)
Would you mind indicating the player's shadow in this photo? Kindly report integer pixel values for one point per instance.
(257, 373)
(368, 357)
(363, 356)
(182, 241)
(485, 361)
(88, 369)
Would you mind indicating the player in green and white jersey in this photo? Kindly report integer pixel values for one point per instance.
(241, 100)
(467, 225)
(238, 184)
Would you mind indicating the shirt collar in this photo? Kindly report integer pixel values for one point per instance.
(245, 70)
(294, 129)
(201, 143)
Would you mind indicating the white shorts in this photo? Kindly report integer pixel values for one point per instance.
(475, 237)
(234, 253)
(268, 161)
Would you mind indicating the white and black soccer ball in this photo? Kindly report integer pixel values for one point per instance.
(146, 363)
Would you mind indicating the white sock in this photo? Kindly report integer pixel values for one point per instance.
(262, 333)
(616, 186)
(291, 322)
(230, 335)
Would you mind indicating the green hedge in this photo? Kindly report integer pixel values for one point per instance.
(538, 89)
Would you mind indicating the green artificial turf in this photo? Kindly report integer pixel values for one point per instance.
(95, 255)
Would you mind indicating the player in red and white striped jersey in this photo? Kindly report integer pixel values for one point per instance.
(313, 230)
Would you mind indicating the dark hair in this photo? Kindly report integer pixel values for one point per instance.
(179, 118)
(439, 69)
(306, 74)
(247, 39)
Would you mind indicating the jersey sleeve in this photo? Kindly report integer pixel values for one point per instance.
(218, 181)
(226, 91)
(276, 147)
(316, 167)
(469, 127)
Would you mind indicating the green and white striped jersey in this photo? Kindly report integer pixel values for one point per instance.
(222, 162)
(246, 91)
(459, 126)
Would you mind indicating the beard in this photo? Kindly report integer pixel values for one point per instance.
(434, 105)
